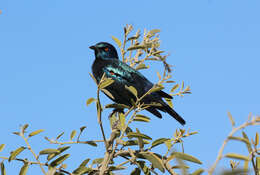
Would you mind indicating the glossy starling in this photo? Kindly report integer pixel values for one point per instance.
(107, 62)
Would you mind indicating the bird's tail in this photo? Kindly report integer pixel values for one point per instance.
(169, 110)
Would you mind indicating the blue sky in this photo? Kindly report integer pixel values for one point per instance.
(45, 64)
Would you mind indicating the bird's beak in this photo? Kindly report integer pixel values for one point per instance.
(93, 47)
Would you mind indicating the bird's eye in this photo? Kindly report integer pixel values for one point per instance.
(106, 49)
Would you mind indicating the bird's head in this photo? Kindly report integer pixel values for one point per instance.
(104, 51)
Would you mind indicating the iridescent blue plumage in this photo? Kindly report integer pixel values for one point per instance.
(123, 75)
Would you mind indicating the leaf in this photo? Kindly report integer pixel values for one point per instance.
(61, 134)
(2, 146)
(135, 47)
(136, 171)
(134, 142)
(256, 139)
(156, 161)
(105, 83)
(60, 150)
(237, 156)
(156, 88)
(235, 172)
(97, 161)
(154, 31)
(36, 132)
(176, 86)
(118, 42)
(108, 93)
(184, 156)
(132, 90)
(122, 121)
(198, 172)
(248, 143)
(144, 168)
(231, 119)
(117, 106)
(90, 100)
(239, 139)
(140, 140)
(159, 142)
(72, 134)
(136, 135)
(24, 169)
(85, 162)
(59, 160)
(141, 118)
(16, 153)
(169, 144)
(49, 151)
(141, 66)
(82, 170)
(92, 143)
(24, 127)
(82, 128)
(258, 163)
(2, 166)
(169, 101)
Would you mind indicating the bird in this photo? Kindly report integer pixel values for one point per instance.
(107, 62)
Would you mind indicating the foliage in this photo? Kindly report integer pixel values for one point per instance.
(128, 147)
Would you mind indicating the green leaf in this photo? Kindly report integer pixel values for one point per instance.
(198, 172)
(136, 135)
(118, 42)
(175, 87)
(16, 153)
(169, 144)
(256, 139)
(49, 151)
(134, 142)
(92, 143)
(36, 132)
(24, 169)
(61, 134)
(3, 171)
(156, 88)
(97, 161)
(237, 156)
(108, 93)
(248, 143)
(2, 146)
(140, 140)
(156, 161)
(258, 163)
(82, 170)
(184, 156)
(159, 142)
(122, 121)
(235, 172)
(132, 90)
(59, 160)
(72, 134)
(154, 31)
(85, 162)
(105, 83)
(90, 100)
(141, 118)
(141, 66)
(231, 119)
(136, 171)
(117, 106)
(135, 47)
(24, 127)
(82, 128)
(60, 150)
(239, 139)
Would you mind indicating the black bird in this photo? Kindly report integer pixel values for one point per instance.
(107, 62)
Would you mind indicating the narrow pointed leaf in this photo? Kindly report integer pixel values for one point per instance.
(108, 93)
(141, 66)
(156, 88)
(24, 169)
(184, 156)
(105, 83)
(132, 90)
(239, 139)
(90, 100)
(59, 151)
(2, 166)
(97, 161)
(136, 47)
(140, 140)
(118, 42)
(2, 146)
(36, 132)
(175, 87)
(248, 143)
(117, 106)
(61, 134)
(16, 153)
(256, 139)
(49, 151)
(237, 156)
(122, 121)
(231, 119)
(154, 31)
(24, 127)
(92, 143)
(59, 160)
(159, 142)
(73, 134)
(82, 128)
(85, 162)
(156, 161)
(141, 118)
(82, 170)
(198, 172)
(134, 142)
(136, 135)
